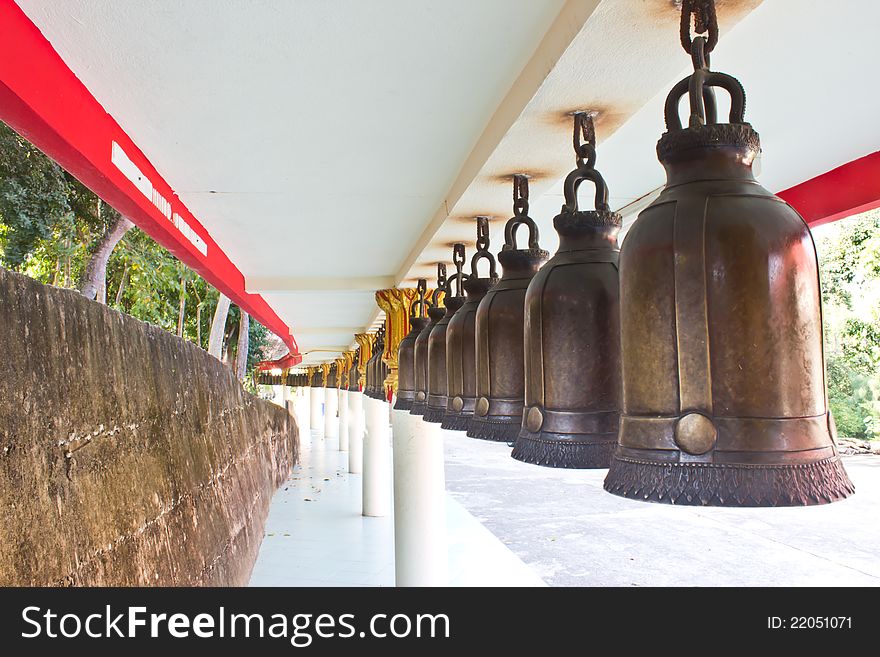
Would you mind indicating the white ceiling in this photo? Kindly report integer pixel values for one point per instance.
(333, 146)
(308, 136)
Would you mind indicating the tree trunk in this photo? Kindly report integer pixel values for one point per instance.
(218, 327)
(94, 280)
(121, 285)
(199, 324)
(182, 308)
(241, 351)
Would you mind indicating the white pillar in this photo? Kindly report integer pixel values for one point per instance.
(316, 419)
(343, 420)
(301, 409)
(377, 459)
(286, 396)
(421, 552)
(355, 432)
(331, 422)
(278, 395)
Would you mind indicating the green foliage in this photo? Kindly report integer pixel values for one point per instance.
(50, 225)
(33, 197)
(850, 264)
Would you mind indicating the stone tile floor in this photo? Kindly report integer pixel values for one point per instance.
(315, 534)
(573, 533)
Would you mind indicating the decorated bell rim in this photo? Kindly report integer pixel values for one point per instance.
(584, 223)
(675, 145)
(436, 313)
(478, 287)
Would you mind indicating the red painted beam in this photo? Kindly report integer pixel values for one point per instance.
(44, 101)
(283, 363)
(849, 189)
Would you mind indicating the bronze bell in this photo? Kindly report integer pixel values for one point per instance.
(723, 376)
(353, 383)
(420, 350)
(461, 356)
(572, 331)
(331, 376)
(437, 379)
(406, 376)
(499, 330)
(317, 380)
(375, 375)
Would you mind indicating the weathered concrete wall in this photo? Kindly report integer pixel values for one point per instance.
(127, 456)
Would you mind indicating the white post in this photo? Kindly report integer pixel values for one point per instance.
(286, 396)
(331, 422)
(343, 420)
(301, 408)
(316, 419)
(421, 552)
(355, 432)
(377, 459)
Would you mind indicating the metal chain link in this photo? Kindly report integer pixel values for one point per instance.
(705, 22)
(520, 195)
(584, 139)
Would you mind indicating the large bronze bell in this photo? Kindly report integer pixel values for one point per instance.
(499, 330)
(461, 356)
(420, 350)
(724, 385)
(375, 370)
(353, 383)
(572, 332)
(406, 375)
(317, 380)
(437, 379)
(331, 376)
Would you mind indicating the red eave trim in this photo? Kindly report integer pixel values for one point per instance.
(849, 189)
(283, 363)
(44, 101)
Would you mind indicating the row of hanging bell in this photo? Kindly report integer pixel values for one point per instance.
(500, 320)
(572, 335)
(376, 368)
(418, 320)
(435, 311)
(353, 374)
(461, 357)
(438, 400)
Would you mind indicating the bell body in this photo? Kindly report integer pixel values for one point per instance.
(317, 379)
(420, 362)
(572, 348)
(353, 383)
(500, 362)
(406, 375)
(461, 357)
(331, 377)
(724, 397)
(373, 375)
(435, 410)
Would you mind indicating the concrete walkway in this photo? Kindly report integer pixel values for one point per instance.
(316, 536)
(573, 533)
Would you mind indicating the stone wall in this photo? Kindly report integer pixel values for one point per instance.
(127, 455)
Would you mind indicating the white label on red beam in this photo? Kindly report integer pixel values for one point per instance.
(131, 171)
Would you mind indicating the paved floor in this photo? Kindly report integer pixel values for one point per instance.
(316, 536)
(573, 533)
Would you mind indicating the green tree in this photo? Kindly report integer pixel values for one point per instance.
(850, 266)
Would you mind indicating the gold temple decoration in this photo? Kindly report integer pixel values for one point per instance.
(365, 342)
(325, 368)
(345, 371)
(396, 303)
(340, 371)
